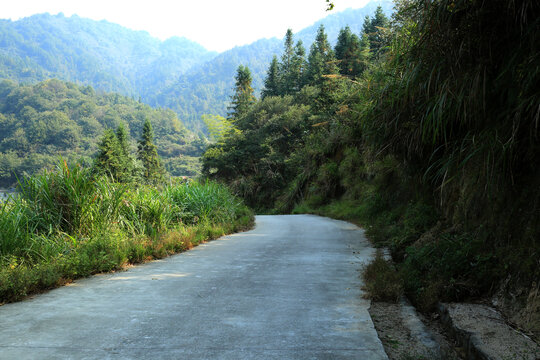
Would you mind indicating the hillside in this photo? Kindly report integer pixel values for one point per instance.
(53, 118)
(176, 73)
(105, 55)
(207, 88)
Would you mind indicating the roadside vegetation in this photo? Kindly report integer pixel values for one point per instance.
(423, 129)
(74, 221)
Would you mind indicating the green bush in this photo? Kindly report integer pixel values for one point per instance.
(381, 281)
(64, 225)
(453, 267)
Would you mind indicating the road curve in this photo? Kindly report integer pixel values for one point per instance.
(289, 289)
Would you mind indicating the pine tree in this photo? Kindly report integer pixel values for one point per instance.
(321, 59)
(153, 171)
(367, 28)
(374, 29)
(349, 54)
(286, 65)
(123, 139)
(271, 83)
(108, 161)
(126, 161)
(243, 97)
(299, 66)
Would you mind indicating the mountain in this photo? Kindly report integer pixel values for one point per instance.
(177, 73)
(207, 88)
(107, 56)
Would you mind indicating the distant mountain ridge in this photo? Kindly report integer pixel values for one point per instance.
(99, 53)
(176, 73)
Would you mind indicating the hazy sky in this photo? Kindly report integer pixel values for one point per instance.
(216, 24)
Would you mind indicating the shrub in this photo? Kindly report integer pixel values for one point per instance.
(381, 281)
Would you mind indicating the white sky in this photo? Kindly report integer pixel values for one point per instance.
(216, 24)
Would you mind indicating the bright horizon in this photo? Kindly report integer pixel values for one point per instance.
(215, 24)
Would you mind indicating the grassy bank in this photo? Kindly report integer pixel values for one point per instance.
(435, 261)
(64, 225)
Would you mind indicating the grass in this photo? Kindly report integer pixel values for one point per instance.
(66, 225)
(381, 281)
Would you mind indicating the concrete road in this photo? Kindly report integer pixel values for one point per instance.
(290, 289)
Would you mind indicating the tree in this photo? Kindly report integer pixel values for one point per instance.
(299, 65)
(153, 171)
(271, 83)
(321, 59)
(374, 29)
(108, 160)
(286, 65)
(123, 139)
(243, 97)
(349, 53)
(352, 53)
(126, 161)
(219, 127)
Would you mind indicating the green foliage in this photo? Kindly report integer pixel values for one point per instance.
(351, 53)
(205, 202)
(288, 76)
(454, 267)
(431, 147)
(321, 59)
(65, 224)
(40, 122)
(106, 56)
(63, 200)
(272, 81)
(376, 30)
(381, 281)
(330, 5)
(252, 162)
(152, 170)
(176, 73)
(108, 161)
(243, 96)
(218, 127)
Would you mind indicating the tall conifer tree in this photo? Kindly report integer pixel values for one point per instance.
(243, 97)
(153, 171)
(271, 83)
(286, 65)
(108, 160)
(321, 59)
(374, 29)
(349, 54)
(299, 66)
(126, 161)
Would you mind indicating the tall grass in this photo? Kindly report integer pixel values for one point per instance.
(208, 202)
(65, 224)
(458, 102)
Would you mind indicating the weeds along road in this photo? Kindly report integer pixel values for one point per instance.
(290, 289)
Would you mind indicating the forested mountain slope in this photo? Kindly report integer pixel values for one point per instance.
(207, 88)
(39, 123)
(176, 73)
(105, 55)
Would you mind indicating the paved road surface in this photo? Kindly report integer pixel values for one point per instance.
(290, 289)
